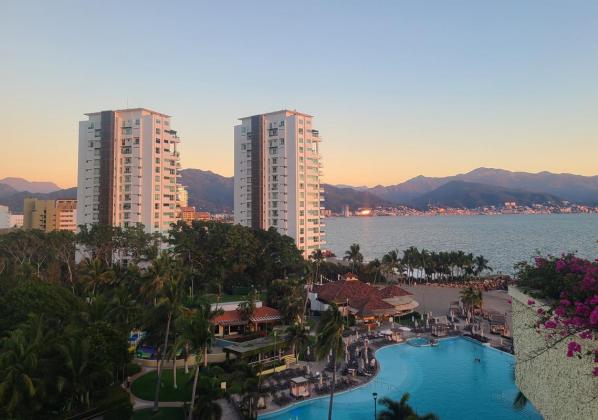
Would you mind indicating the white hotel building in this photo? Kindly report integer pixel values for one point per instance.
(277, 176)
(128, 169)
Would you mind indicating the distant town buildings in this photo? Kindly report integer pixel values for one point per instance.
(277, 176)
(182, 196)
(50, 215)
(16, 220)
(4, 217)
(128, 169)
(189, 214)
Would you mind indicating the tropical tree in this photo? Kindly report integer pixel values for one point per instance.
(391, 262)
(168, 302)
(207, 407)
(78, 373)
(401, 410)
(330, 341)
(354, 256)
(471, 297)
(22, 384)
(196, 334)
(298, 337)
(96, 274)
(374, 267)
(481, 265)
(317, 258)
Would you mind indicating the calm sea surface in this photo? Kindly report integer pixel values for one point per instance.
(504, 240)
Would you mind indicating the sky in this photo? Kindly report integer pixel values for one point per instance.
(397, 88)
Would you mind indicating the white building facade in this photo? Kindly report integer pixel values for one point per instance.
(277, 176)
(4, 217)
(128, 169)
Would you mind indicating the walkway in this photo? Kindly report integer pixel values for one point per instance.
(228, 411)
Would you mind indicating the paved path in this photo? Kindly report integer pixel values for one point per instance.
(228, 411)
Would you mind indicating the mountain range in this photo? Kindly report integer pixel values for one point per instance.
(481, 187)
(575, 188)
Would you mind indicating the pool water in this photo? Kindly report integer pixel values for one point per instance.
(447, 380)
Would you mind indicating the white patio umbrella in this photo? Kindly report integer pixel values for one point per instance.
(365, 352)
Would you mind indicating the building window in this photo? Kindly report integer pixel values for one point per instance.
(157, 131)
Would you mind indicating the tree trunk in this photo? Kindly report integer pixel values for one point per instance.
(197, 361)
(186, 359)
(159, 376)
(195, 378)
(332, 384)
(175, 386)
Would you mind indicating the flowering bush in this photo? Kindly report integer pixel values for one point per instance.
(571, 283)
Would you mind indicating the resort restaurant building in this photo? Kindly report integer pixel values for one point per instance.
(366, 302)
(232, 322)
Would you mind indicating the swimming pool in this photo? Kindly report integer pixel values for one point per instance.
(446, 380)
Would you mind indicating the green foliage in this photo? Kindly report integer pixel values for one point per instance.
(33, 297)
(544, 280)
(401, 410)
(133, 369)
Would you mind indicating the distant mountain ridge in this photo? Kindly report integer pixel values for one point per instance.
(212, 192)
(21, 184)
(463, 194)
(574, 188)
(209, 191)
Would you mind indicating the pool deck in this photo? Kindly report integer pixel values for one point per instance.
(435, 299)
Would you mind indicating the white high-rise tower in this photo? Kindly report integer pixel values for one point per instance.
(128, 169)
(277, 176)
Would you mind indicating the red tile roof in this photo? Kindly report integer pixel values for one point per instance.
(263, 314)
(366, 299)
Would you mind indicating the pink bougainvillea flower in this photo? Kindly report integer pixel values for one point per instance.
(550, 325)
(586, 335)
(572, 348)
(530, 302)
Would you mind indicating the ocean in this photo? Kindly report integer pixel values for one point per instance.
(503, 239)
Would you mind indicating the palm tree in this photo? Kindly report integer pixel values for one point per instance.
(330, 340)
(207, 406)
(79, 373)
(471, 298)
(317, 257)
(401, 410)
(354, 256)
(96, 274)
(481, 264)
(21, 379)
(374, 266)
(392, 262)
(169, 302)
(298, 337)
(197, 334)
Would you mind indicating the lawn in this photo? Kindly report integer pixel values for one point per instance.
(165, 413)
(145, 386)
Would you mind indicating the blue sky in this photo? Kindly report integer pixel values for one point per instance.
(398, 89)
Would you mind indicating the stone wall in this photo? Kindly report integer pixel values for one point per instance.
(558, 386)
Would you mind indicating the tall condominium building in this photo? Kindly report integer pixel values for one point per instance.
(50, 215)
(277, 176)
(128, 169)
